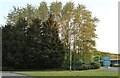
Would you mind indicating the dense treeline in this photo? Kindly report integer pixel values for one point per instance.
(43, 37)
(34, 47)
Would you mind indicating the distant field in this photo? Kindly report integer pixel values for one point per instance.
(99, 72)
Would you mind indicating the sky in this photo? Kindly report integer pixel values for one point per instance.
(105, 10)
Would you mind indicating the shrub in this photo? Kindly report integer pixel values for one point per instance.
(83, 66)
(95, 65)
(87, 66)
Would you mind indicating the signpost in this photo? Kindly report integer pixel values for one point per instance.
(106, 61)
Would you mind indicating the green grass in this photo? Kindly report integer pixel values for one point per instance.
(99, 72)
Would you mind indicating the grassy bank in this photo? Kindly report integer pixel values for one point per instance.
(98, 72)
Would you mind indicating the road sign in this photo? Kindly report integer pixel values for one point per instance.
(106, 58)
(106, 61)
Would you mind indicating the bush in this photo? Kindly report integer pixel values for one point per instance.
(76, 65)
(95, 65)
(87, 66)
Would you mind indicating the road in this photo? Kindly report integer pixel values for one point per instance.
(14, 75)
(114, 69)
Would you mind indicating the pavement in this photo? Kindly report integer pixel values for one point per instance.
(11, 74)
(115, 69)
(14, 75)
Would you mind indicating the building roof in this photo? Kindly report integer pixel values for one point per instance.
(115, 59)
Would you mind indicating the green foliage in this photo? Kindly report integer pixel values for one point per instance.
(28, 12)
(86, 66)
(34, 47)
(74, 30)
(95, 65)
(42, 11)
(96, 58)
(100, 54)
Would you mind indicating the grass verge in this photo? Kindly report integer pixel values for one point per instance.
(98, 72)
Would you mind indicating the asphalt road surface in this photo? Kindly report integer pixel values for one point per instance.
(114, 69)
(14, 75)
(11, 74)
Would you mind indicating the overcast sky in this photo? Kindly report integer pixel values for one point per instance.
(105, 10)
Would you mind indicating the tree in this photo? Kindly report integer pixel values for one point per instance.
(86, 37)
(33, 47)
(42, 11)
(28, 12)
(13, 45)
(76, 26)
